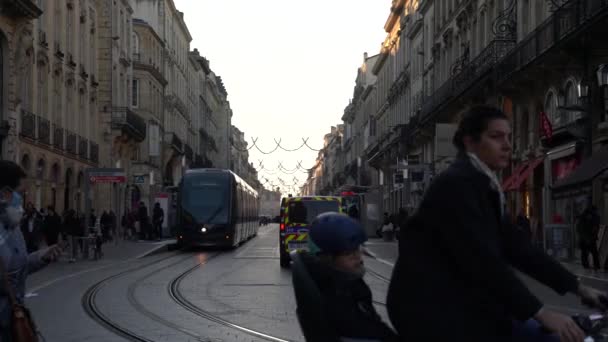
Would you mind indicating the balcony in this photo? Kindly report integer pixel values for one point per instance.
(83, 148)
(44, 131)
(129, 123)
(140, 63)
(94, 153)
(469, 74)
(58, 137)
(28, 124)
(70, 146)
(564, 24)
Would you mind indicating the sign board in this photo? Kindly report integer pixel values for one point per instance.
(139, 179)
(100, 178)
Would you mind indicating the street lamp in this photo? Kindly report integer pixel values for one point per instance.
(602, 75)
(583, 89)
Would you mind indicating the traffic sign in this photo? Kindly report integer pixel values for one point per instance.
(139, 179)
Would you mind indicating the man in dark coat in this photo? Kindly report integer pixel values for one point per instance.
(587, 227)
(523, 224)
(144, 221)
(158, 216)
(52, 227)
(453, 280)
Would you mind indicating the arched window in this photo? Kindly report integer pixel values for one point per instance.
(551, 108)
(40, 169)
(26, 164)
(570, 100)
(43, 95)
(135, 39)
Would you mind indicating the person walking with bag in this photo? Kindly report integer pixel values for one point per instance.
(15, 262)
(459, 250)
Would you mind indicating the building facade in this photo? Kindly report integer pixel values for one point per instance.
(541, 62)
(107, 85)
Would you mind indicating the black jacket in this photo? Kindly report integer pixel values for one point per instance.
(453, 279)
(348, 303)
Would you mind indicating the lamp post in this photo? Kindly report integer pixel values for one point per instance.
(602, 82)
(583, 95)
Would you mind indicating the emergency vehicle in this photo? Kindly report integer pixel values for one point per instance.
(297, 213)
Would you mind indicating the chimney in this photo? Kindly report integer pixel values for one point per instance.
(365, 56)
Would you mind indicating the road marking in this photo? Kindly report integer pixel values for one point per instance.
(374, 256)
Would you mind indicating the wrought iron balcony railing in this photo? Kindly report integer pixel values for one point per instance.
(129, 122)
(58, 138)
(94, 153)
(468, 75)
(83, 148)
(44, 131)
(71, 142)
(28, 124)
(565, 21)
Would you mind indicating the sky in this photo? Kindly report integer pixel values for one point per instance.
(289, 68)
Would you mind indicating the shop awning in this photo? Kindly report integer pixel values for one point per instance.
(587, 171)
(506, 184)
(525, 174)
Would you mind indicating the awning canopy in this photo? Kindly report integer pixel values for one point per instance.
(506, 184)
(587, 171)
(521, 174)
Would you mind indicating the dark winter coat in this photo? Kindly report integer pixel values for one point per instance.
(453, 279)
(348, 302)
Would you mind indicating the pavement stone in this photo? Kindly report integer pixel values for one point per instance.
(113, 253)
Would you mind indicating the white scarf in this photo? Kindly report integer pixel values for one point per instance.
(494, 183)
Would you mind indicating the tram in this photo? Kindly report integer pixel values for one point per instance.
(215, 207)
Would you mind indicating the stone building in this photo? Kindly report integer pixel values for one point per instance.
(148, 92)
(122, 130)
(539, 61)
(55, 102)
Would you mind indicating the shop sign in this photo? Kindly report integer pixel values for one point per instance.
(563, 167)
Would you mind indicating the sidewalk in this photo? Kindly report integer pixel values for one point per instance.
(387, 253)
(113, 254)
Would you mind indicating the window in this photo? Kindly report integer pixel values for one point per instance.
(135, 94)
(551, 109)
(571, 100)
(135, 39)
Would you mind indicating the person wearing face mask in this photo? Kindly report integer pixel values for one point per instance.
(454, 279)
(335, 264)
(16, 262)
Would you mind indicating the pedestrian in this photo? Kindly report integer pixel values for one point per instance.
(523, 224)
(353, 211)
(92, 219)
(459, 251)
(113, 220)
(158, 216)
(388, 227)
(104, 224)
(15, 262)
(587, 228)
(402, 218)
(52, 226)
(127, 223)
(31, 225)
(143, 221)
(335, 265)
(73, 231)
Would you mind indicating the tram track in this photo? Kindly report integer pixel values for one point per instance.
(178, 297)
(90, 305)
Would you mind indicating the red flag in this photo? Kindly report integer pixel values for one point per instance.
(545, 126)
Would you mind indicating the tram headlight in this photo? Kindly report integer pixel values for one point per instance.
(204, 230)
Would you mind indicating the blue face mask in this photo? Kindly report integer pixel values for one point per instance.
(17, 200)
